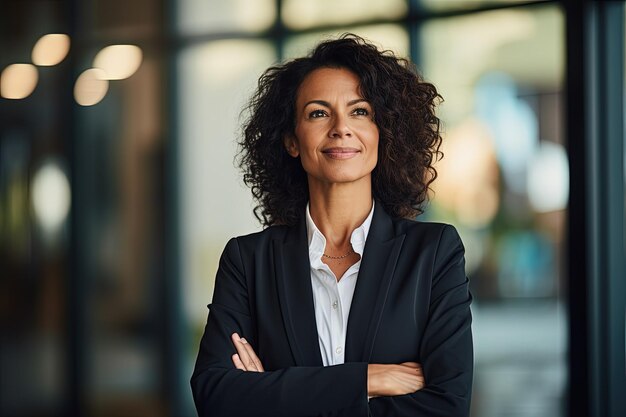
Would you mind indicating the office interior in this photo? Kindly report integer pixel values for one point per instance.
(118, 188)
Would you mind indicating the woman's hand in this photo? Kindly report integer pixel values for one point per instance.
(388, 380)
(245, 359)
(382, 379)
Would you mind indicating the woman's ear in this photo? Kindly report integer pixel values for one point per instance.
(291, 144)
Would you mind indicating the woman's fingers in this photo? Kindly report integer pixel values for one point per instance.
(417, 368)
(417, 374)
(248, 363)
(421, 379)
(413, 365)
(389, 380)
(245, 355)
(237, 362)
(252, 355)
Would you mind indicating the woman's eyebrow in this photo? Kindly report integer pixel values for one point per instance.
(358, 100)
(320, 102)
(327, 104)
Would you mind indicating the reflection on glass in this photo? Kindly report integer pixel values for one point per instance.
(511, 123)
(51, 196)
(386, 36)
(216, 80)
(15, 234)
(445, 5)
(91, 87)
(51, 49)
(504, 182)
(207, 16)
(118, 61)
(467, 184)
(18, 81)
(302, 14)
(548, 178)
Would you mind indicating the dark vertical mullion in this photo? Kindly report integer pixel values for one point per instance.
(594, 223)
(176, 380)
(603, 222)
(279, 32)
(75, 357)
(577, 234)
(414, 27)
(611, 73)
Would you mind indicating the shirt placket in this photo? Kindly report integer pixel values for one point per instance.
(336, 330)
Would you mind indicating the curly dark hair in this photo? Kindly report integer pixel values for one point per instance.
(404, 111)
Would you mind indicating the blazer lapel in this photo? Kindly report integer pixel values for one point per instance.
(380, 256)
(295, 295)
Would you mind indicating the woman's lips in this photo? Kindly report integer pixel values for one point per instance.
(340, 153)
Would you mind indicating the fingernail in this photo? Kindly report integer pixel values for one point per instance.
(243, 340)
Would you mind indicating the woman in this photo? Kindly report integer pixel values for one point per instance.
(342, 306)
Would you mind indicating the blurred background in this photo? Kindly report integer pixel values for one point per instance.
(118, 122)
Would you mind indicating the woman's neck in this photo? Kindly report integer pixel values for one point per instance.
(337, 209)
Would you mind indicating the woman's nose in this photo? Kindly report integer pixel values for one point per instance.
(340, 128)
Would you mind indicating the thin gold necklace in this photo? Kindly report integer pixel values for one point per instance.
(339, 257)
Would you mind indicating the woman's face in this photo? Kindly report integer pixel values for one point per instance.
(335, 135)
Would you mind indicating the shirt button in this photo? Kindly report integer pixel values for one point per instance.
(339, 350)
(335, 304)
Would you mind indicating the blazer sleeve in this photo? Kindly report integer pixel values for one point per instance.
(219, 389)
(446, 352)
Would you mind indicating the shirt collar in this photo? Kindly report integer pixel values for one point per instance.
(317, 241)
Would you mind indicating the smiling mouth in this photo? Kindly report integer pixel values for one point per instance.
(340, 153)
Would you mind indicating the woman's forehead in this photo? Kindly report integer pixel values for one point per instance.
(328, 82)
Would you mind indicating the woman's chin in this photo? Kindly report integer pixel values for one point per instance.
(342, 178)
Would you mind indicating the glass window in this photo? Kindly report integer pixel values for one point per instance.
(504, 183)
(119, 218)
(304, 14)
(210, 16)
(215, 80)
(387, 36)
(442, 6)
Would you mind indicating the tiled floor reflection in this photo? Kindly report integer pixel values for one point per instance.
(520, 365)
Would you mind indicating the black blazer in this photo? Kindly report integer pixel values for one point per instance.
(411, 303)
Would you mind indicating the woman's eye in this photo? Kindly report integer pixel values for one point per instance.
(317, 113)
(361, 112)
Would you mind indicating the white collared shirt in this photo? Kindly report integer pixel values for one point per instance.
(332, 298)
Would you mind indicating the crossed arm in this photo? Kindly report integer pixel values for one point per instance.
(224, 384)
(382, 379)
